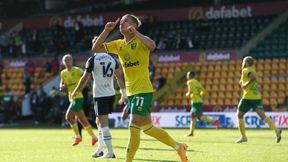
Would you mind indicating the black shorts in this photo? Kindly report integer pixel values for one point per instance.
(103, 105)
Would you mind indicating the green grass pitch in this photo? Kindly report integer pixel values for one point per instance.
(208, 145)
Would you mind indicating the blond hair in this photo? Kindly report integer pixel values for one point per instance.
(135, 19)
(249, 60)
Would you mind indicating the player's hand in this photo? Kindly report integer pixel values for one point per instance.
(131, 30)
(187, 94)
(123, 99)
(111, 25)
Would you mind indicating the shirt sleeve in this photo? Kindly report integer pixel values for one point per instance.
(112, 47)
(89, 65)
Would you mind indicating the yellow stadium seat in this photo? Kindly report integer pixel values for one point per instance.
(224, 74)
(206, 102)
(229, 95)
(213, 102)
(273, 102)
(235, 101)
(216, 81)
(221, 95)
(222, 87)
(266, 80)
(281, 87)
(215, 88)
(265, 102)
(230, 81)
(236, 87)
(266, 87)
(216, 74)
(282, 66)
(210, 74)
(211, 67)
(281, 94)
(273, 87)
(259, 67)
(185, 102)
(265, 94)
(208, 87)
(220, 102)
(231, 74)
(217, 67)
(213, 94)
(280, 100)
(223, 81)
(236, 95)
(228, 102)
(273, 94)
(224, 67)
(209, 82)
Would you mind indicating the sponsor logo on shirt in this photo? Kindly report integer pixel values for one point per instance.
(131, 64)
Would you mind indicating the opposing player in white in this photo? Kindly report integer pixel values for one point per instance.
(103, 68)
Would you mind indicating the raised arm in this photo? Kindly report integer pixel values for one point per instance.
(97, 44)
(149, 43)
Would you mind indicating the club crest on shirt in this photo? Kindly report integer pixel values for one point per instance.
(133, 45)
(126, 57)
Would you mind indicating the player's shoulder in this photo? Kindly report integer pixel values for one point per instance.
(76, 68)
(248, 69)
(63, 71)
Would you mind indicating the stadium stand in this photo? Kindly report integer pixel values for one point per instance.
(223, 90)
(275, 45)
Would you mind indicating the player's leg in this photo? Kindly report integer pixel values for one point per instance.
(243, 107)
(103, 119)
(270, 123)
(141, 117)
(103, 106)
(192, 125)
(199, 110)
(70, 117)
(99, 150)
(83, 120)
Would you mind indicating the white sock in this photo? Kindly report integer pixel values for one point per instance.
(107, 139)
(100, 141)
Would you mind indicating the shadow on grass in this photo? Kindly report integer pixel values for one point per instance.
(151, 160)
(155, 149)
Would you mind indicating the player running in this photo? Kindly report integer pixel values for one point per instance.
(69, 79)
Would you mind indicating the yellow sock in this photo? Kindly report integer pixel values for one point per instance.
(134, 141)
(89, 130)
(241, 125)
(192, 126)
(159, 134)
(270, 123)
(205, 118)
(75, 129)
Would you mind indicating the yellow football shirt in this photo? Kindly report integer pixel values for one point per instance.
(195, 88)
(71, 79)
(134, 58)
(252, 91)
